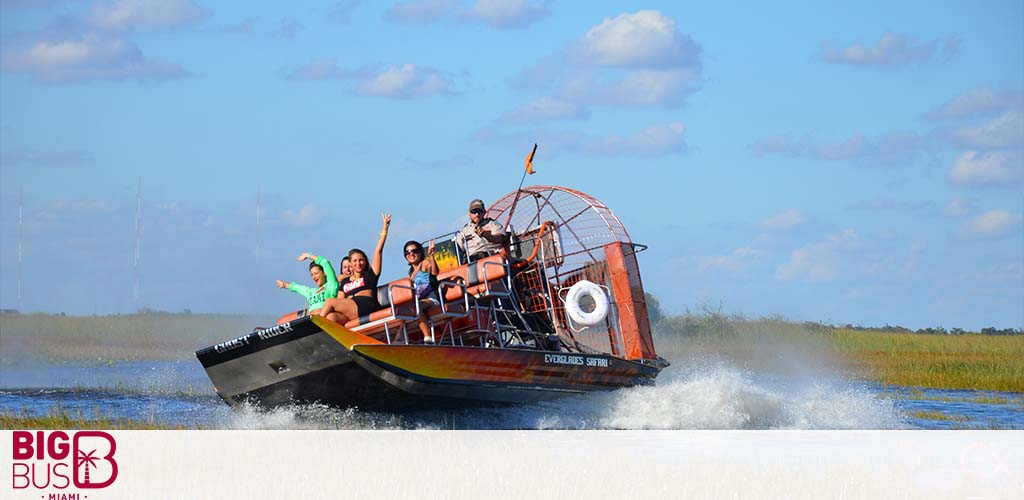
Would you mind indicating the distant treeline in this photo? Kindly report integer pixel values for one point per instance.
(710, 320)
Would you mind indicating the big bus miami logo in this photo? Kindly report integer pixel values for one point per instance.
(44, 460)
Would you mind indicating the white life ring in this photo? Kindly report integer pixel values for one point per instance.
(572, 303)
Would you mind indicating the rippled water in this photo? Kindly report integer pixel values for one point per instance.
(699, 396)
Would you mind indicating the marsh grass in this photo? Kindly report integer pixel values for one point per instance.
(936, 415)
(60, 418)
(967, 361)
(106, 339)
(980, 362)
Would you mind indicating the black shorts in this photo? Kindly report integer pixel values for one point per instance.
(365, 305)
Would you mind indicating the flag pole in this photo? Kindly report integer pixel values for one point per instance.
(529, 170)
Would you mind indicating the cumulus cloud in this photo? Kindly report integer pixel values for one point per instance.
(502, 14)
(789, 219)
(817, 262)
(655, 140)
(634, 59)
(144, 14)
(545, 108)
(306, 216)
(888, 149)
(978, 102)
(645, 39)
(90, 57)
(506, 13)
(404, 81)
(991, 225)
(992, 169)
(1003, 131)
(733, 261)
(892, 50)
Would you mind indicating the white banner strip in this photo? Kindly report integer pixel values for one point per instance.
(497, 465)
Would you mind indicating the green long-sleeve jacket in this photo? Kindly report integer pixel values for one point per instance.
(315, 297)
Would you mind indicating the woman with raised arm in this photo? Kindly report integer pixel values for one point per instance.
(423, 273)
(322, 272)
(360, 287)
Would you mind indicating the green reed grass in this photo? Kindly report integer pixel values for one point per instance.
(60, 418)
(967, 361)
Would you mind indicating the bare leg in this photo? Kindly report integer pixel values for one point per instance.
(339, 310)
(422, 320)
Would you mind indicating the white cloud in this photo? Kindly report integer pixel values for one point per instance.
(655, 140)
(893, 148)
(90, 57)
(892, 50)
(633, 88)
(789, 219)
(1003, 131)
(545, 108)
(733, 261)
(130, 14)
(992, 224)
(634, 59)
(978, 102)
(992, 169)
(507, 13)
(817, 262)
(306, 216)
(645, 39)
(494, 13)
(404, 82)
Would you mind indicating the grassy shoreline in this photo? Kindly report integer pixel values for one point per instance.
(894, 358)
(898, 358)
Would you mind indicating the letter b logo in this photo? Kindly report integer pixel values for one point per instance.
(94, 464)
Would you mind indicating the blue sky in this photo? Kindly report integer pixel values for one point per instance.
(855, 163)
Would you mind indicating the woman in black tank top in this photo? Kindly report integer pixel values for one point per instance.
(360, 288)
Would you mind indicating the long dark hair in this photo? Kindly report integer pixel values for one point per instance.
(355, 251)
(418, 247)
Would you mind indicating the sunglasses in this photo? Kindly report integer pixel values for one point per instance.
(478, 211)
(412, 251)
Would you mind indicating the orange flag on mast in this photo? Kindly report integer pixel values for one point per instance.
(529, 160)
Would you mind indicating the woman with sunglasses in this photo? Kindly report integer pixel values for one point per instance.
(423, 273)
(359, 287)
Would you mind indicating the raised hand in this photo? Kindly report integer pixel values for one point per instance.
(281, 284)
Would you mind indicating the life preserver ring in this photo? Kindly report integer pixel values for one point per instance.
(596, 293)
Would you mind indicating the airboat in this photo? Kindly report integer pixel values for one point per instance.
(559, 312)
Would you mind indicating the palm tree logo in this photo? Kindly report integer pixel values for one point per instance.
(86, 459)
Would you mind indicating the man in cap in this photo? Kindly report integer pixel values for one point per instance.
(481, 236)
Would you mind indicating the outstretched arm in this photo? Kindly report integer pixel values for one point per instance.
(378, 254)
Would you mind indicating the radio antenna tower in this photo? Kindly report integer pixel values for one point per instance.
(21, 206)
(138, 240)
(258, 213)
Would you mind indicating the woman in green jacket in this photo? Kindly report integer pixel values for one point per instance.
(322, 272)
